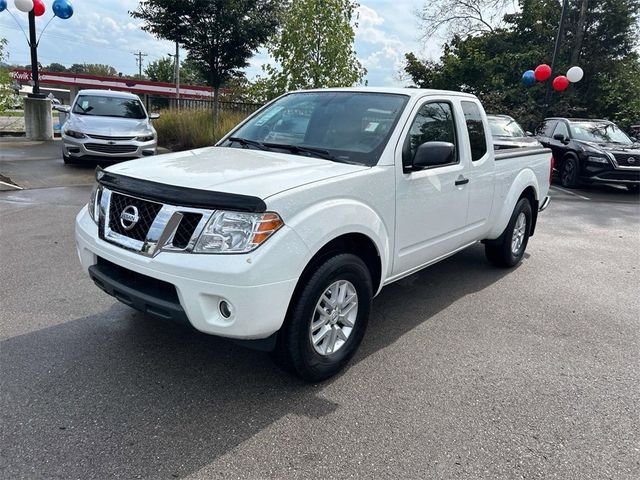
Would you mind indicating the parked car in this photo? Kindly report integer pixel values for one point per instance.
(281, 234)
(591, 151)
(106, 125)
(507, 133)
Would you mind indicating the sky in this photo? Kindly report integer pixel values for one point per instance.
(103, 32)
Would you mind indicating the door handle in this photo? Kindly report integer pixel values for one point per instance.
(462, 181)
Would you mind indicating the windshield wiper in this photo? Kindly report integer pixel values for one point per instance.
(246, 142)
(295, 149)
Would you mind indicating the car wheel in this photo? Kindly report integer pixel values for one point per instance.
(327, 319)
(634, 188)
(507, 251)
(569, 173)
(67, 160)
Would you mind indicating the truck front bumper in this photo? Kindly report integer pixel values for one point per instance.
(256, 287)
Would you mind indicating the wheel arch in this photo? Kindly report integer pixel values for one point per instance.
(525, 185)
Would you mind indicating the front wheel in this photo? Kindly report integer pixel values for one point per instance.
(327, 319)
(508, 249)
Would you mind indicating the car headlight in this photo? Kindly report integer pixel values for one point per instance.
(597, 159)
(94, 201)
(237, 232)
(74, 134)
(145, 138)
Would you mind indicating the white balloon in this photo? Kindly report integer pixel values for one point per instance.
(24, 5)
(575, 74)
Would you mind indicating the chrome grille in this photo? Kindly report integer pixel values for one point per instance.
(147, 212)
(148, 227)
(106, 137)
(185, 229)
(105, 148)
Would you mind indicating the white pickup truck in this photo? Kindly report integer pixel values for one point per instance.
(281, 234)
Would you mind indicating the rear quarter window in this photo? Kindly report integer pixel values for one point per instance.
(475, 128)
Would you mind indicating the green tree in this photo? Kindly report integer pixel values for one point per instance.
(6, 93)
(55, 67)
(314, 48)
(161, 70)
(220, 35)
(490, 64)
(98, 69)
(191, 74)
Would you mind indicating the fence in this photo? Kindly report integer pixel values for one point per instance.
(163, 103)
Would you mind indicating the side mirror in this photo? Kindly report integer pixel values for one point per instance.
(528, 133)
(154, 116)
(560, 137)
(431, 154)
(62, 108)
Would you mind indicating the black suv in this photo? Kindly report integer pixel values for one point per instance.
(591, 151)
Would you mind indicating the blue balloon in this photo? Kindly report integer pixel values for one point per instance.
(529, 78)
(3, 5)
(62, 9)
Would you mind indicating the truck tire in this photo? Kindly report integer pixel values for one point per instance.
(508, 249)
(569, 173)
(327, 319)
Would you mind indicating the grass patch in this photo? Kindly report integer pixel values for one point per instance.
(187, 129)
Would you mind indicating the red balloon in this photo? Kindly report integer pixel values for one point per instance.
(38, 8)
(542, 72)
(560, 83)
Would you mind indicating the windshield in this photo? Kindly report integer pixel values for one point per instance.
(598, 132)
(99, 106)
(505, 127)
(349, 127)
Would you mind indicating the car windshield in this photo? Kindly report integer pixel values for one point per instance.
(505, 127)
(103, 106)
(599, 132)
(349, 127)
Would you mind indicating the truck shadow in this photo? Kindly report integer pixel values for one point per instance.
(121, 395)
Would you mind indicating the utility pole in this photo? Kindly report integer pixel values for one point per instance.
(139, 56)
(177, 73)
(547, 96)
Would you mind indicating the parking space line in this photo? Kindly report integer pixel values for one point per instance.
(569, 192)
(11, 185)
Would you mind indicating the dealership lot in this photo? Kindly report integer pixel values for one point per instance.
(466, 371)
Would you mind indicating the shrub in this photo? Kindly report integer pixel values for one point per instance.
(187, 129)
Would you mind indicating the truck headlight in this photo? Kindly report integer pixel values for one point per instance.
(74, 134)
(94, 202)
(237, 232)
(597, 159)
(145, 138)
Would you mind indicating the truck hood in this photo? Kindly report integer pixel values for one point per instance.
(232, 170)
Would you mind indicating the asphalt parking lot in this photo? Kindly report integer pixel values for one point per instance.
(466, 371)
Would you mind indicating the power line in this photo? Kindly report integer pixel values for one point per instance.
(74, 40)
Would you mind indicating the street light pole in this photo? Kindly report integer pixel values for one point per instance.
(556, 48)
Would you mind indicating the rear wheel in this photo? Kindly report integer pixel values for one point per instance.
(508, 250)
(327, 319)
(569, 173)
